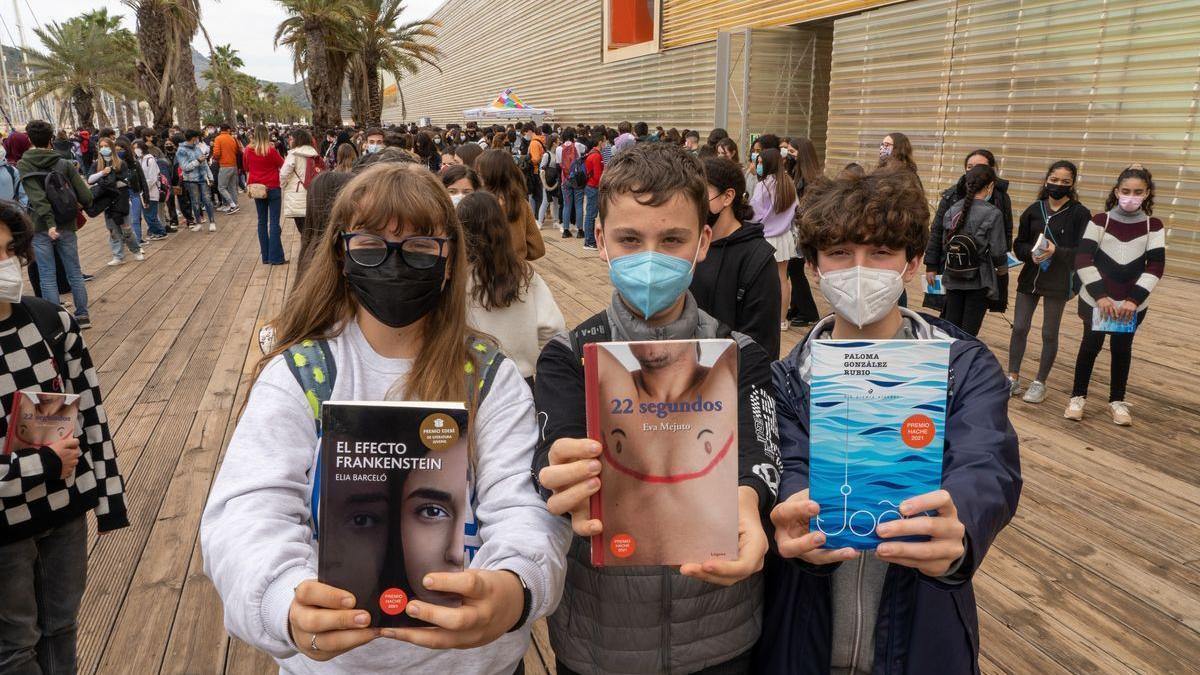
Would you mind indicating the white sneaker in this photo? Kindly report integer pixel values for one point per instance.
(194, 228)
(114, 262)
(139, 256)
(784, 326)
(1075, 408)
(222, 208)
(1120, 413)
(212, 227)
(1036, 393)
(233, 209)
(1014, 385)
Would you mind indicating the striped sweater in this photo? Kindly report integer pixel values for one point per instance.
(1121, 256)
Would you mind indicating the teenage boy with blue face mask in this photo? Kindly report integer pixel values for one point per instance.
(703, 617)
(908, 607)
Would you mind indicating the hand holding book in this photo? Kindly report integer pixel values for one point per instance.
(574, 476)
(932, 558)
(492, 601)
(67, 451)
(752, 547)
(323, 622)
(791, 518)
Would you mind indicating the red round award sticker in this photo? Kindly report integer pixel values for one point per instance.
(917, 431)
(622, 545)
(393, 601)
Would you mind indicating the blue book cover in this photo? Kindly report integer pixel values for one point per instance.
(876, 432)
(1108, 324)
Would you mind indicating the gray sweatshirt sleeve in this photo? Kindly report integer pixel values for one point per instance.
(518, 533)
(997, 237)
(255, 534)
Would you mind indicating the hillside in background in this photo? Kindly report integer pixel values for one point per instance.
(295, 91)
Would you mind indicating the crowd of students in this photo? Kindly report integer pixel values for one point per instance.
(698, 244)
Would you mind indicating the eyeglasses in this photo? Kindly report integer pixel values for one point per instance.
(371, 250)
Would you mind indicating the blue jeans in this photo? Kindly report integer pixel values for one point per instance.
(119, 233)
(42, 580)
(68, 250)
(270, 247)
(572, 206)
(589, 220)
(135, 215)
(198, 196)
(153, 225)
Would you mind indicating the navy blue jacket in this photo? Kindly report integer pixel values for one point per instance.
(924, 625)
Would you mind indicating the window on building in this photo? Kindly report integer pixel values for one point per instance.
(630, 28)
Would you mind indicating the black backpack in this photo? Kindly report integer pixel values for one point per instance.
(577, 175)
(961, 253)
(64, 205)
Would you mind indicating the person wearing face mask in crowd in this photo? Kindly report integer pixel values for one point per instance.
(375, 141)
(805, 170)
(1058, 220)
(112, 198)
(969, 249)
(384, 307)
(460, 181)
(49, 489)
(750, 170)
(737, 282)
(999, 198)
(909, 607)
(652, 232)
(500, 176)
(151, 193)
(191, 158)
(506, 298)
(1119, 262)
(774, 203)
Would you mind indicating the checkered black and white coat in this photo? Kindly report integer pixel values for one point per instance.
(33, 496)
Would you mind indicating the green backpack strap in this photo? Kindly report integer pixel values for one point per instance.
(480, 377)
(312, 364)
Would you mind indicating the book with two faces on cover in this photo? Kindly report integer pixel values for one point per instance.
(40, 418)
(877, 421)
(665, 414)
(393, 502)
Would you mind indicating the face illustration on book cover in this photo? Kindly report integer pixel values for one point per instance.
(384, 530)
(40, 418)
(667, 423)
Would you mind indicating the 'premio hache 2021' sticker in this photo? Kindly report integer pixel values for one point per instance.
(393, 601)
(622, 545)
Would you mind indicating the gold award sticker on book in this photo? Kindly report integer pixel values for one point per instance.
(439, 431)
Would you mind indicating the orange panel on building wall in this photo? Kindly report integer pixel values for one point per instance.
(631, 22)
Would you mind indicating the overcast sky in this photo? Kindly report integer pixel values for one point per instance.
(248, 25)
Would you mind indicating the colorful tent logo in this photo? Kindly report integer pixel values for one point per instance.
(507, 99)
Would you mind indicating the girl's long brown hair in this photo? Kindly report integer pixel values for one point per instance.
(902, 152)
(785, 189)
(113, 160)
(500, 275)
(387, 197)
(502, 178)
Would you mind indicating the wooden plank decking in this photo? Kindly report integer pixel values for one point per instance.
(1100, 571)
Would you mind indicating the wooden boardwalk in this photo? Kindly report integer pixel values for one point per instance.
(1100, 571)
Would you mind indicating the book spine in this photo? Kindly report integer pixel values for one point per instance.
(11, 437)
(591, 385)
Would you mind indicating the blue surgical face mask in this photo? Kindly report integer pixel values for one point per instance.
(373, 148)
(106, 152)
(649, 281)
(758, 170)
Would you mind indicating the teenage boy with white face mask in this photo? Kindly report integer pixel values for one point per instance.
(705, 616)
(909, 606)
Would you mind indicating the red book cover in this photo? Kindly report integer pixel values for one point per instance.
(40, 418)
(665, 415)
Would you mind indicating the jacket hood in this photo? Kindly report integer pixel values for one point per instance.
(305, 151)
(41, 159)
(747, 232)
(920, 326)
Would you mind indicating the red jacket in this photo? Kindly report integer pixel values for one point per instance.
(263, 170)
(594, 164)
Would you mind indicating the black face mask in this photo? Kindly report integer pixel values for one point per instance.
(712, 218)
(1057, 191)
(394, 292)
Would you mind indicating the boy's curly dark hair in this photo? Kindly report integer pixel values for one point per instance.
(884, 208)
(18, 223)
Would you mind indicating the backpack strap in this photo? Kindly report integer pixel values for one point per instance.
(12, 178)
(480, 377)
(312, 364)
(48, 322)
(594, 329)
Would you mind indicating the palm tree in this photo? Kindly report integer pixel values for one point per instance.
(381, 43)
(165, 72)
(223, 73)
(80, 58)
(319, 33)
